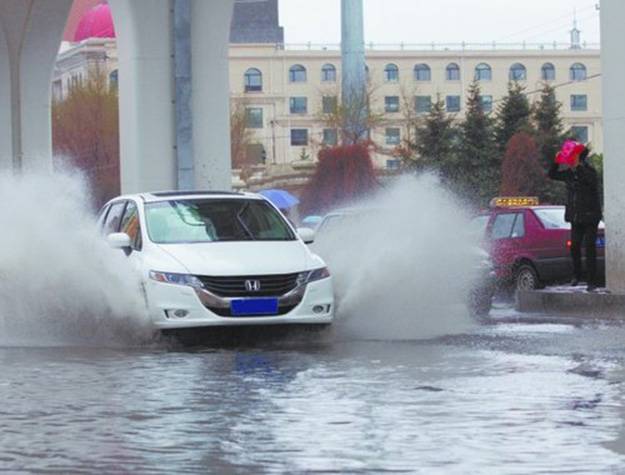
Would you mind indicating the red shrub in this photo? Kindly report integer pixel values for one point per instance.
(344, 173)
(521, 172)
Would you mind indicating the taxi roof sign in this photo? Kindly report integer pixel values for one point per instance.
(513, 201)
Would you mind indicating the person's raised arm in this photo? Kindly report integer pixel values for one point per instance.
(555, 174)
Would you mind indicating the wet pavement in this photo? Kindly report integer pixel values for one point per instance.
(512, 396)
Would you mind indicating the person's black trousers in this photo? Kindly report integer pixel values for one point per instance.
(587, 233)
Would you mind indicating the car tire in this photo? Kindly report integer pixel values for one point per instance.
(526, 278)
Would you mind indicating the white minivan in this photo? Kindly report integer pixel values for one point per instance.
(219, 258)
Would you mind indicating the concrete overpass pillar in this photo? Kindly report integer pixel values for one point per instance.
(30, 34)
(146, 94)
(210, 39)
(145, 42)
(613, 86)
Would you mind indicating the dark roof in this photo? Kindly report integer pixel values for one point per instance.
(256, 21)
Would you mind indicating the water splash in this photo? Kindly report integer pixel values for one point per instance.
(59, 282)
(403, 268)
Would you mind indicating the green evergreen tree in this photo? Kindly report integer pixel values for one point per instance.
(478, 161)
(513, 115)
(434, 141)
(549, 135)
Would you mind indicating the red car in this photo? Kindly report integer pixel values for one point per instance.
(530, 244)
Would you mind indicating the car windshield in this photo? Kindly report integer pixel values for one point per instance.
(212, 220)
(552, 218)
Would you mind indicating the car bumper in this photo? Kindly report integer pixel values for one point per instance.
(164, 300)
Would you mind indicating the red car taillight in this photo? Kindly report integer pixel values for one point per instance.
(568, 244)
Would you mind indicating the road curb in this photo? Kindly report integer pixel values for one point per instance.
(573, 302)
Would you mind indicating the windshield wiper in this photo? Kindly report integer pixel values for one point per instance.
(243, 225)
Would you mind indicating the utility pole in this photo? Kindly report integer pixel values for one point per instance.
(353, 76)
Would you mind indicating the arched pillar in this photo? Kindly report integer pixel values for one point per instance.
(613, 90)
(30, 35)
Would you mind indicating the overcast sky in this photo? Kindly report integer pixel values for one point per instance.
(443, 21)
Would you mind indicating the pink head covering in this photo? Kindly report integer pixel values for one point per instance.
(569, 152)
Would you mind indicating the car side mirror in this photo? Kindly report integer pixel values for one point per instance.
(120, 241)
(307, 235)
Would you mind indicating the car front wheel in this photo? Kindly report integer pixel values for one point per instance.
(526, 278)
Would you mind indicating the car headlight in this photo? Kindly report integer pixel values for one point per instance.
(178, 279)
(312, 275)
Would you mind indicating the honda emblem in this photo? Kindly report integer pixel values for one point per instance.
(252, 285)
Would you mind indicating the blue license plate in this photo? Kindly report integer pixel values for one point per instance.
(601, 241)
(242, 307)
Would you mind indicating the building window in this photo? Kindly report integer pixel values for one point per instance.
(452, 73)
(298, 105)
(76, 81)
(452, 103)
(548, 72)
(577, 72)
(329, 104)
(57, 90)
(113, 80)
(253, 80)
(391, 73)
(254, 117)
(330, 137)
(580, 133)
(393, 164)
(299, 137)
(393, 136)
(422, 72)
(517, 72)
(297, 73)
(423, 104)
(486, 102)
(483, 72)
(579, 102)
(391, 104)
(328, 73)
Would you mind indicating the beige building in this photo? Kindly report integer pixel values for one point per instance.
(283, 88)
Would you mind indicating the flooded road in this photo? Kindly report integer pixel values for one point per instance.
(506, 398)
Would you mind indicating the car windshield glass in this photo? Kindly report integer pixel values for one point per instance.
(552, 218)
(212, 220)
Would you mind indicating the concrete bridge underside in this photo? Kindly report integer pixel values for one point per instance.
(30, 34)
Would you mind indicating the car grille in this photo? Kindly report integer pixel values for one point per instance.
(270, 285)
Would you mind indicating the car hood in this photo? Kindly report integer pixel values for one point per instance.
(242, 258)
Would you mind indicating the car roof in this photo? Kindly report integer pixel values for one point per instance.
(155, 196)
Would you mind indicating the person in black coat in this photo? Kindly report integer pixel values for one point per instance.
(583, 211)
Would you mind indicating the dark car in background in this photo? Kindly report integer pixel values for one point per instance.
(530, 243)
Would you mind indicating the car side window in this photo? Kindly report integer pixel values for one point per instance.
(518, 231)
(113, 218)
(102, 216)
(502, 227)
(130, 225)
